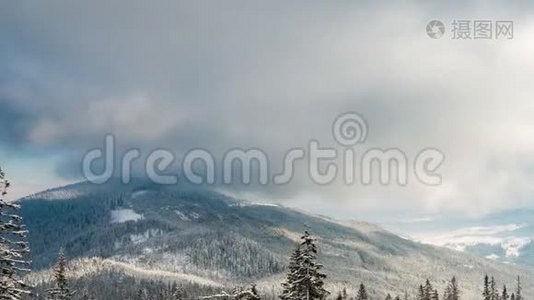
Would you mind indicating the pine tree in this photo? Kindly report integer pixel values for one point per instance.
(388, 297)
(177, 293)
(310, 280)
(519, 289)
(13, 247)
(289, 290)
(451, 291)
(342, 295)
(494, 293)
(447, 295)
(253, 293)
(486, 293)
(61, 290)
(362, 293)
(304, 279)
(505, 295)
(428, 291)
(421, 293)
(512, 297)
(140, 294)
(434, 295)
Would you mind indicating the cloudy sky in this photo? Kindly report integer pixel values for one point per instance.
(273, 75)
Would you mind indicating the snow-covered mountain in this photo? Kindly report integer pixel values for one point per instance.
(205, 237)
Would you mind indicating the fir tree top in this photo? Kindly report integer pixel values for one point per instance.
(13, 247)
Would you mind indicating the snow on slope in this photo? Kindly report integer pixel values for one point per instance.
(124, 215)
(58, 194)
(92, 266)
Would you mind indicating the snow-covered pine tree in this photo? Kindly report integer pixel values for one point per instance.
(429, 291)
(250, 294)
(494, 293)
(61, 290)
(519, 290)
(505, 295)
(307, 279)
(451, 291)
(13, 248)
(362, 293)
(434, 295)
(141, 294)
(289, 289)
(388, 297)
(421, 293)
(447, 293)
(177, 293)
(486, 293)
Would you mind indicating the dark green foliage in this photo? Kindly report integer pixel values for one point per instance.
(519, 290)
(61, 289)
(452, 291)
(427, 292)
(362, 293)
(486, 293)
(504, 295)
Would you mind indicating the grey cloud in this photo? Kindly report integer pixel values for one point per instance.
(273, 75)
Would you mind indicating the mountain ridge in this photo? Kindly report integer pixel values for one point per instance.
(221, 239)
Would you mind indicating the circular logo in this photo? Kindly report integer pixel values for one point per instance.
(435, 29)
(350, 129)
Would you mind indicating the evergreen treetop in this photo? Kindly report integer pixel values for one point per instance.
(13, 247)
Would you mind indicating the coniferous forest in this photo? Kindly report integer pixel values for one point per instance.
(305, 278)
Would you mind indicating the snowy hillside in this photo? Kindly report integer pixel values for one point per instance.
(182, 232)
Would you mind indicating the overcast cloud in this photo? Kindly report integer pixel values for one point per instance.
(273, 75)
